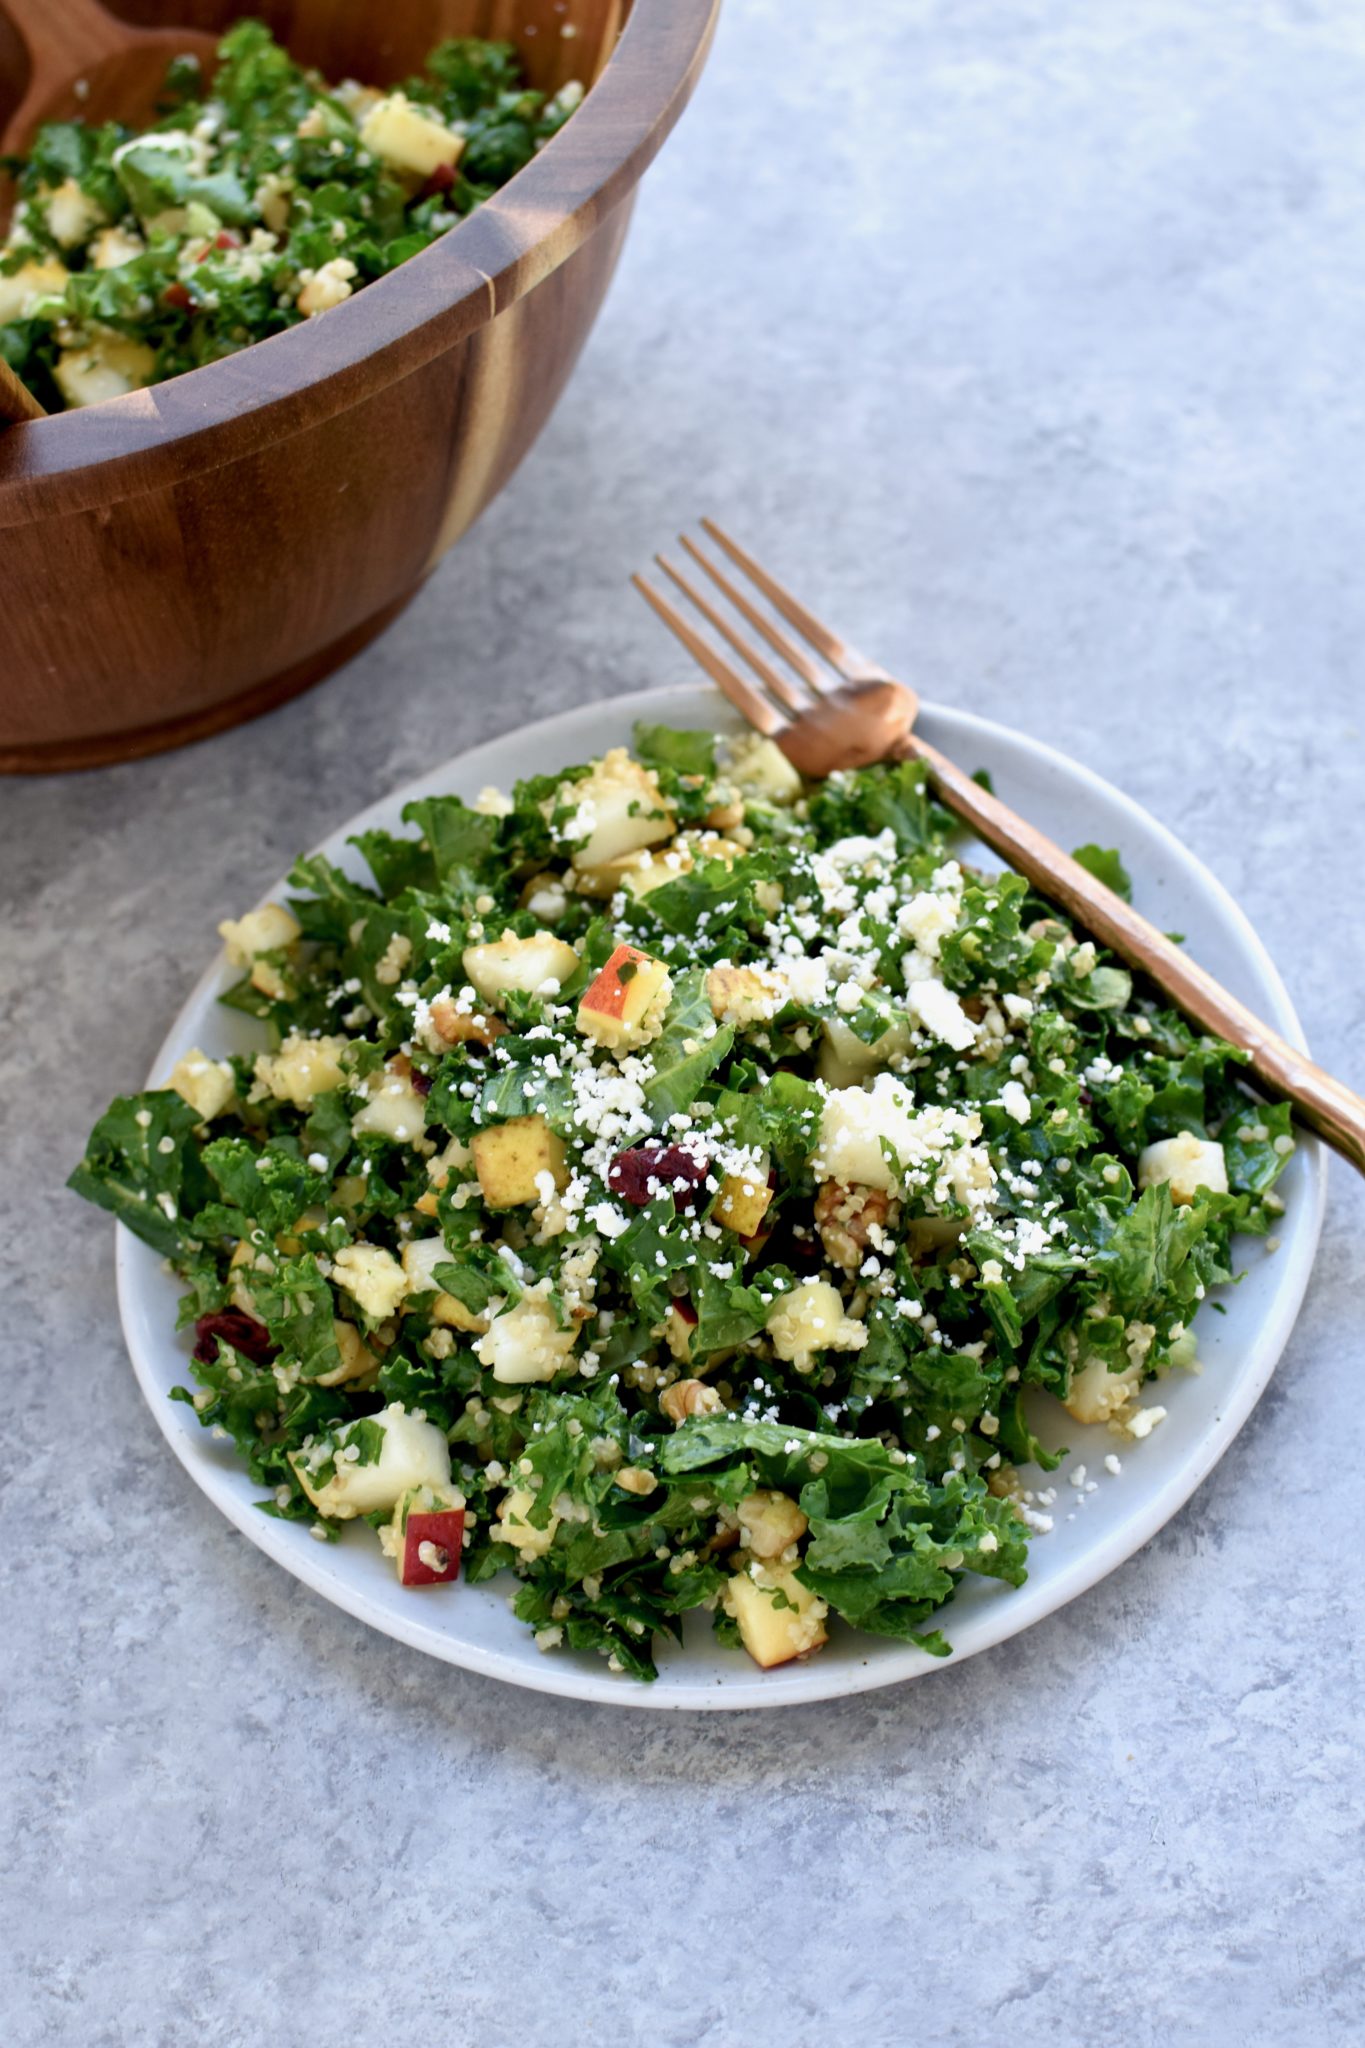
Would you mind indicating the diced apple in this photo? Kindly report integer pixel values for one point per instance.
(760, 766)
(455, 1158)
(245, 1260)
(32, 281)
(525, 1344)
(72, 215)
(512, 1526)
(625, 1004)
(356, 98)
(1096, 1394)
(433, 1505)
(770, 1523)
(113, 247)
(411, 1454)
(207, 1085)
(617, 808)
(742, 1201)
(372, 1277)
(511, 1160)
(927, 1235)
(679, 1323)
(110, 367)
(409, 138)
(775, 1634)
(267, 930)
(539, 964)
(427, 1537)
(358, 1363)
(393, 1108)
(290, 1241)
(845, 1059)
(638, 871)
(544, 895)
(809, 1319)
(326, 287)
(420, 1261)
(744, 995)
(1185, 1164)
(271, 982)
(302, 1069)
(646, 868)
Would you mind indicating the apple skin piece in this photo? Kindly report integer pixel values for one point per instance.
(510, 1158)
(444, 1532)
(775, 1635)
(624, 1005)
(742, 1201)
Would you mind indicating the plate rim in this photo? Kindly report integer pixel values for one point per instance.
(315, 1567)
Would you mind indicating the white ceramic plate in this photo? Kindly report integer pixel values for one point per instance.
(1093, 1533)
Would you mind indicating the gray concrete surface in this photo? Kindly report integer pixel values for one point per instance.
(1027, 337)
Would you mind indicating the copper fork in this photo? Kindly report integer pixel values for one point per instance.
(828, 707)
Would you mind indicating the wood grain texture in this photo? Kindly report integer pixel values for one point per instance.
(167, 558)
(16, 400)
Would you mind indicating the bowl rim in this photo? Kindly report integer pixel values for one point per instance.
(292, 381)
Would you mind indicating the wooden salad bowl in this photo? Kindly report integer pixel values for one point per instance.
(190, 555)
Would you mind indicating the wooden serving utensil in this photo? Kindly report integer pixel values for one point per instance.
(83, 64)
(868, 716)
(16, 400)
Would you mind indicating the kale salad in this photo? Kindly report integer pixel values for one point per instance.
(263, 200)
(684, 1186)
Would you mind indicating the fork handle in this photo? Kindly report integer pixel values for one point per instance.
(1330, 1108)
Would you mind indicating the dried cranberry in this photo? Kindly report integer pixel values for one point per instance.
(421, 1083)
(235, 1327)
(648, 1169)
(225, 239)
(178, 294)
(441, 180)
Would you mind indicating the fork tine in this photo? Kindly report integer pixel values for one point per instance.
(837, 653)
(793, 655)
(752, 707)
(777, 684)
